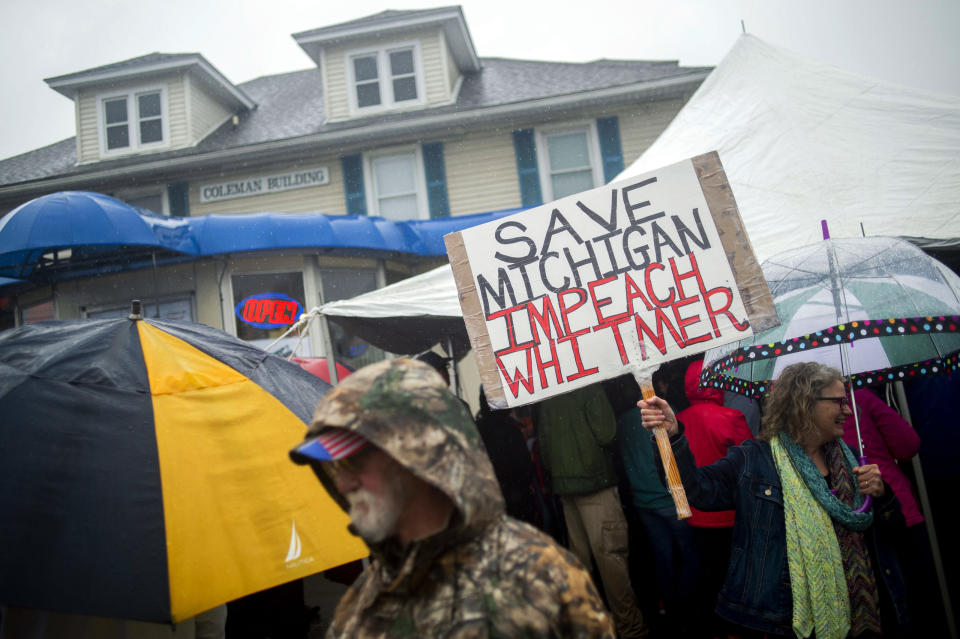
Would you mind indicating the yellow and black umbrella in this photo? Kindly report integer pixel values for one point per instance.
(144, 470)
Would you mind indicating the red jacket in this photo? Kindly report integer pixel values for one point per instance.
(886, 438)
(711, 428)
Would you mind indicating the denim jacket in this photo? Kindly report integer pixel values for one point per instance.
(756, 593)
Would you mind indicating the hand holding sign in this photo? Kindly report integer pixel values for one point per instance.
(658, 417)
(601, 283)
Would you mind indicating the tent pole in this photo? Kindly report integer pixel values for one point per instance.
(928, 515)
(325, 336)
(381, 274)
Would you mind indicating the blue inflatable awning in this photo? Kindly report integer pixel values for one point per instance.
(41, 231)
(77, 231)
(238, 233)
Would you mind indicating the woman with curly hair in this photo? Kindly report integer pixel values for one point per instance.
(803, 561)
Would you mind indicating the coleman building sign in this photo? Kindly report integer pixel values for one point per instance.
(261, 185)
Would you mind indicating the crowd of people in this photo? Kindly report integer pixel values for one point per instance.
(554, 520)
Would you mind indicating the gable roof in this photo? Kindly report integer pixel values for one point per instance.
(450, 19)
(290, 120)
(375, 21)
(138, 63)
(150, 64)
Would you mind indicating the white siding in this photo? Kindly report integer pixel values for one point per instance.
(434, 81)
(329, 198)
(177, 112)
(88, 136)
(335, 70)
(453, 72)
(88, 132)
(206, 113)
(481, 172)
(336, 96)
(481, 168)
(643, 124)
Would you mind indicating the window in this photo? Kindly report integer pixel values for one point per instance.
(386, 78)
(261, 288)
(133, 121)
(568, 161)
(118, 132)
(149, 117)
(152, 198)
(150, 201)
(367, 80)
(340, 284)
(397, 187)
(403, 75)
(180, 310)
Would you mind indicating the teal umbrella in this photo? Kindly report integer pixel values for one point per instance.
(876, 308)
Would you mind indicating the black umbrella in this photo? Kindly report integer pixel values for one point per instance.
(144, 470)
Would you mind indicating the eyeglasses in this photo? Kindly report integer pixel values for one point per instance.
(839, 401)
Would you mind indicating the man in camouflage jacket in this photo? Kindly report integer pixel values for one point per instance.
(460, 567)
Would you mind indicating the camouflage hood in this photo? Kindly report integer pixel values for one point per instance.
(404, 407)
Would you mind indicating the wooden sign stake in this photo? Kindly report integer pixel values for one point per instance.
(674, 484)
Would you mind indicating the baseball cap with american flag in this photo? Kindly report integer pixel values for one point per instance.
(330, 445)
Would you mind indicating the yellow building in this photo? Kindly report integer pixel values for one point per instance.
(399, 119)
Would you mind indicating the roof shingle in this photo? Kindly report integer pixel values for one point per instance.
(290, 105)
(143, 60)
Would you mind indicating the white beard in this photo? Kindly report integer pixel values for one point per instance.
(375, 516)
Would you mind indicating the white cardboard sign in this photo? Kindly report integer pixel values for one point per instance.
(604, 282)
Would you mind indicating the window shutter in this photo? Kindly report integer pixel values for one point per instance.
(436, 180)
(178, 199)
(608, 130)
(352, 166)
(525, 149)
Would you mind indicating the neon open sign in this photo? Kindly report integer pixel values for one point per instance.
(268, 310)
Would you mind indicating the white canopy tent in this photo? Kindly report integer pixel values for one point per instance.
(409, 316)
(802, 141)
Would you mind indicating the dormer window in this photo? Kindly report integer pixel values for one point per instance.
(367, 80)
(403, 75)
(133, 121)
(150, 117)
(117, 120)
(385, 78)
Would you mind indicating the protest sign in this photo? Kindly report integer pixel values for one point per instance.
(605, 282)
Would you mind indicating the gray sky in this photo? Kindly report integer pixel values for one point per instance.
(910, 43)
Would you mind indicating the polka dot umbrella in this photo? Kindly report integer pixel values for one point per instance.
(876, 308)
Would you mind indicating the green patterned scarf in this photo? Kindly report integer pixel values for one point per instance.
(819, 587)
(861, 584)
(817, 484)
